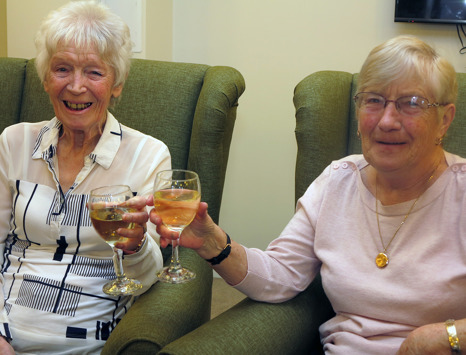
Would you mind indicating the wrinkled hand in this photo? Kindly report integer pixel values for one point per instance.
(429, 339)
(198, 235)
(139, 218)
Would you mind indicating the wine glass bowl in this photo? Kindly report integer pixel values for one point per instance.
(107, 220)
(107, 205)
(177, 194)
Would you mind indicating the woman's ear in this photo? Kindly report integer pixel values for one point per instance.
(448, 116)
(116, 91)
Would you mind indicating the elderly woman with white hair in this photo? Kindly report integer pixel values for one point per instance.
(54, 262)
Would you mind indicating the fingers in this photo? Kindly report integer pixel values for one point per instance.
(202, 210)
(150, 200)
(134, 237)
(138, 202)
(140, 217)
(136, 232)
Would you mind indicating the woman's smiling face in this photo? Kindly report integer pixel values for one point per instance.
(80, 85)
(392, 141)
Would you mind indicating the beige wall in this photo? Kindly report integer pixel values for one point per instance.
(3, 43)
(25, 16)
(274, 44)
(23, 19)
(158, 30)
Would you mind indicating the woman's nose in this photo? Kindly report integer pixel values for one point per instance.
(390, 118)
(77, 84)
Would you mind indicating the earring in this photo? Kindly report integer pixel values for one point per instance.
(358, 134)
(439, 141)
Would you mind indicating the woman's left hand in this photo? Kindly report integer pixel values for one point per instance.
(136, 234)
(430, 339)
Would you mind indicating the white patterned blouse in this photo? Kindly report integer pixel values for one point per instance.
(54, 263)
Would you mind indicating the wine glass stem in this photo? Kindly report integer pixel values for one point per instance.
(118, 263)
(175, 260)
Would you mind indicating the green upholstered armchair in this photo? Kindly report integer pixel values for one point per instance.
(190, 107)
(325, 130)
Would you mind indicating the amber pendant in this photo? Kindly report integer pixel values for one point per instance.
(381, 260)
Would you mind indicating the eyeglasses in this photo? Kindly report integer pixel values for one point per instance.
(373, 103)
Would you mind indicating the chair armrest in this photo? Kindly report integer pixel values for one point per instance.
(165, 312)
(253, 327)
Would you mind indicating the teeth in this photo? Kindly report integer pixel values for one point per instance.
(77, 106)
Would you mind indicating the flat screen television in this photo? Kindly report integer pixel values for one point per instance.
(431, 11)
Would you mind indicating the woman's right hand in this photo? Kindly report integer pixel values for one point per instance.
(208, 240)
(202, 234)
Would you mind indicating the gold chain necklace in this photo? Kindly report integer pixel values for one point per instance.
(382, 258)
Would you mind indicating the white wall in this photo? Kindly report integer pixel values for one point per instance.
(274, 44)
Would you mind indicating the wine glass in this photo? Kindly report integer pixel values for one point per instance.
(106, 206)
(177, 194)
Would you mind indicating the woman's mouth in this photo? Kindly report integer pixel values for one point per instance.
(391, 143)
(77, 107)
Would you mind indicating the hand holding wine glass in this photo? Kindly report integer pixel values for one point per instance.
(177, 194)
(107, 205)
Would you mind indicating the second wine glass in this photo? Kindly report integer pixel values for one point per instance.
(107, 205)
(177, 194)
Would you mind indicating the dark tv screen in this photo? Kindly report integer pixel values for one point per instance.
(433, 11)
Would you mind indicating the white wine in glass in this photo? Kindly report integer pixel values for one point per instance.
(177, 194)
(106, 207)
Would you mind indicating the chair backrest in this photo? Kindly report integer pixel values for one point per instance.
(326, 123)
(190, 107)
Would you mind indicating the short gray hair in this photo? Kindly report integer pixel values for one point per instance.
(407, 57)
(85, 24)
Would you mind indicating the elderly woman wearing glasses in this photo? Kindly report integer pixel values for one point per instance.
(386, 228)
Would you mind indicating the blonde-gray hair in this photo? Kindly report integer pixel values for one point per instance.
(85, 24)
(407, 57)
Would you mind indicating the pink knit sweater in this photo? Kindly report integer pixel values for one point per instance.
(335, 230)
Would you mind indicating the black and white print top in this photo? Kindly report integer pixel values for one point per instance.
(53, 262)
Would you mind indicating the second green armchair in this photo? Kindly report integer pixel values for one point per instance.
(325, 130)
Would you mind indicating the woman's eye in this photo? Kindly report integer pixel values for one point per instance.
(61, 71)
(96, 73)
(373, 100)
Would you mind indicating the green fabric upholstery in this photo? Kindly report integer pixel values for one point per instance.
(190, 107)
(12, 74)
(325, 130)
(258, 328)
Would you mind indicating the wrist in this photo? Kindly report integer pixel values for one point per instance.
(223, 254)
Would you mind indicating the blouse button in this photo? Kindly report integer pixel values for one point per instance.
(344, 165)
(455, 168)
(463, 167)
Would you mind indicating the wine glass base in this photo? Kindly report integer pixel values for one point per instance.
(177, 276)
(122, 287)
